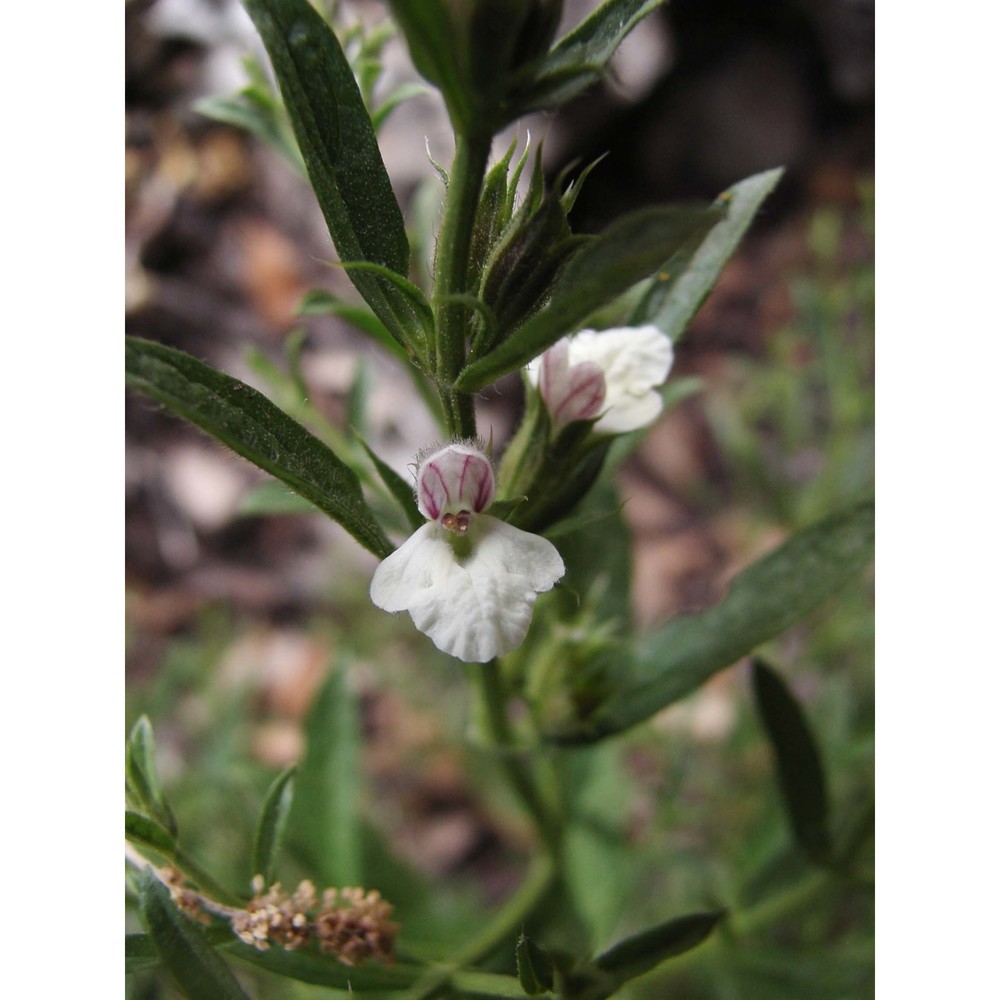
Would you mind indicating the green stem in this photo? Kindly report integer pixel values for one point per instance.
(493, 702)
(451, 274)
(505, 922)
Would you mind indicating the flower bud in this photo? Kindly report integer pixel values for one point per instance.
(454, 483)
(570, 392)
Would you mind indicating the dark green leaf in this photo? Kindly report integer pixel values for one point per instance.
(428, 31)
(191, 960)
(534, 969)
(401, 490)
(579, 59)
(325, 819)
(341, 153)
(255, 428)
(413, 295)
(796, 756)
(141, 776)
(149, 833)
(627, 251)
(271, 825)
(644, 951)
(140, 953)
(673, 306)
(763, 601)
(504, 508)
(326, 970)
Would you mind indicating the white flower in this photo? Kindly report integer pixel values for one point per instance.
(468, 580)
(631, 360)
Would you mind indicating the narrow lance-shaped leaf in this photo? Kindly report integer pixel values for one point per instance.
(401, 490)
(626, 252)
(143, 830)
(340, 150)
(255, 428)
(579, 58)
(324, 818)
(763, 601)
(672, 305)
(534, 967)
(140, 953)
(191, 960)
(271, 825)
(796, 756)
(428, 32)
(141, 776)
(642, 952)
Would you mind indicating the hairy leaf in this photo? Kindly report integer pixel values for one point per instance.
(324, 818)
(672, 304)
(579, 58)
(141, 777)
(271, 825)
(255, 428)
(626, 252)
(765, 600)
(183, 949)
(340, 151)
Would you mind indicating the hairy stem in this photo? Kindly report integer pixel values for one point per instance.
(451, 276)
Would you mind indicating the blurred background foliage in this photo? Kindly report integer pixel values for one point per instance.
(238, 623)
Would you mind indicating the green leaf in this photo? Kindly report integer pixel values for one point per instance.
(255, 428)
(796, 756)
(190, 959)
(341, 154)
(149, 833)
(579, 58)
(600, 862)
(141, 777)
(271, 825)
(325, 970)
(642, 952)
(765, 600)
(673, 305)
(325, 820)
(140, 953)
(401, 490)
(626, 252)
(534, 968)
(427, 28)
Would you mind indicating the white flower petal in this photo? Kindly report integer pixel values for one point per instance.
(473, 607)
(635, 360)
